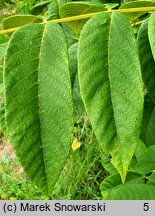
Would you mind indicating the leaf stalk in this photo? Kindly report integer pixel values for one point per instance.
(86, 16)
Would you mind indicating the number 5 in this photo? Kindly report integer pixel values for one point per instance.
(146, 207)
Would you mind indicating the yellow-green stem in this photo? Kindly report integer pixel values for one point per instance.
(138, 23)
(86, 16)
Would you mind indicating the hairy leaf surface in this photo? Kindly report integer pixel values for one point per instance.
(38, 101)
(111, 85)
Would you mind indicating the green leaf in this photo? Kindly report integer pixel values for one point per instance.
(2, 118)
(73, 61)
(146, 59)
(77, 8)
(2, 111)
(38, 101)
(37, 8)
(2, 114)
(4, 39)
(113, 182)
(146, 161)
(53, 12)
(136, 4)
(70, 35)
(111, 5)
(62, 2)
(146, 42)
(141, 147)
(133, 192)
(148, 109)
(150, 133)
(1, 90)
(77, 101)
(151, 33)
(19, 20)
(3, 48)
(1, 74)
(151, 179)
(106, 163)
(111, 85)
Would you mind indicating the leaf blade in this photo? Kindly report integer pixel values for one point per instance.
(44, 134)
(77, 101)
(113, 182)
(19, 20)
(146, 161)
(147, 61)
(133, 192)
(106, 89)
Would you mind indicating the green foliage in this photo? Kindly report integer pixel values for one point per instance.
(3, 50)
(23, 6)
(146, 161)
(14, 184)
(79, 179)
(147, 61)
(30, 97)
(147, 112)
(53, 11)
(77, 101)
(151, 32)
(111, 96)
(37, 8)
(113, 182)
(19, 20)
(105, 68)
(150, 133)
(133, 192)
(83, 171)
(77, 8)
(137, 4)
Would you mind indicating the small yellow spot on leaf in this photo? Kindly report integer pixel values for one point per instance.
(76, 144)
